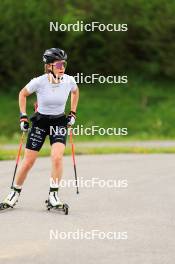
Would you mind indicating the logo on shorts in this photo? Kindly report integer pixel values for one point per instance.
(38, 132)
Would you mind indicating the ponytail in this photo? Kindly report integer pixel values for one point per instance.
(46, 70)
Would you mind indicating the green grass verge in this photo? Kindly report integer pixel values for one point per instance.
(10, 154)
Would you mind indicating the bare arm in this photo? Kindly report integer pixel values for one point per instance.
(22, 99)
(74, 100)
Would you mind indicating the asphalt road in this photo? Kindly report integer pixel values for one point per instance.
(139, 210)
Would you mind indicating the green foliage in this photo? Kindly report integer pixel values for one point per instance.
(147, 48)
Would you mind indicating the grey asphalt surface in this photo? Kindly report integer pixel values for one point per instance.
(145, 210)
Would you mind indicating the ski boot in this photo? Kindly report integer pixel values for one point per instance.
(55, 203)
(11, 200)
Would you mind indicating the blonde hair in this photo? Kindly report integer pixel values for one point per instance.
(46, 68)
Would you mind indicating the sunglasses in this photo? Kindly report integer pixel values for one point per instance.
(59, 65)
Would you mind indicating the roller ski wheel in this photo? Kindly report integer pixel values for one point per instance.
(5, 206)
(61, 207)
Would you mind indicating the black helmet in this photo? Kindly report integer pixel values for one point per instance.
(50, 55)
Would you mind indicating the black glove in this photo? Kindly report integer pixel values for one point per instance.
(24, 122)
(71, 118)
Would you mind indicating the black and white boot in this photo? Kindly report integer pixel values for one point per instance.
(11, 200)
(54, 201)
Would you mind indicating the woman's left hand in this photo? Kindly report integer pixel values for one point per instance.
(71, 118)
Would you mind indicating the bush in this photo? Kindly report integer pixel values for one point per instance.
(147, 48)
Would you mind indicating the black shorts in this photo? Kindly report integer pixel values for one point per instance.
(46, 125)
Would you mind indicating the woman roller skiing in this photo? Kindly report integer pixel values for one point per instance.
(52, 90)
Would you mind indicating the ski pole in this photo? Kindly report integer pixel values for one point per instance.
(73, 159)
(18, 157)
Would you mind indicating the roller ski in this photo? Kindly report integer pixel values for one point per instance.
(11, 200)
(55, 203)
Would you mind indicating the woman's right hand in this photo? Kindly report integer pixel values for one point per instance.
(24, 122)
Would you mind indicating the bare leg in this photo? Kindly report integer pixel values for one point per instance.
(27, 163)
(57, 152)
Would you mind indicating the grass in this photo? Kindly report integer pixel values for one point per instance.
(145, 107)
(10, 154)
